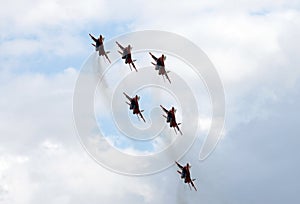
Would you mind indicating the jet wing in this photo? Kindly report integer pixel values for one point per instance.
(93, 37)
(178, 129)
(127, 96)
(166, 74)
(179, 165)
(120, 46)
(155, 58)
(164, 109)
(193, 184)
(140, 113)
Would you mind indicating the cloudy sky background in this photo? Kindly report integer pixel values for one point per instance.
(254, 47)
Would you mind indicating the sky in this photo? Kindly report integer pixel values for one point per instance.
(254, 48)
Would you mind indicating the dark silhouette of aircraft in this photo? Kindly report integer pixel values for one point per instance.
(134, 105)
(171, 118)
(186, 175)
(126, 54)
(99, 46)
(160, 66)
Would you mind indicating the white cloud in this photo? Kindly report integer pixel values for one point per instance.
(43, 160)
(253, 45)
